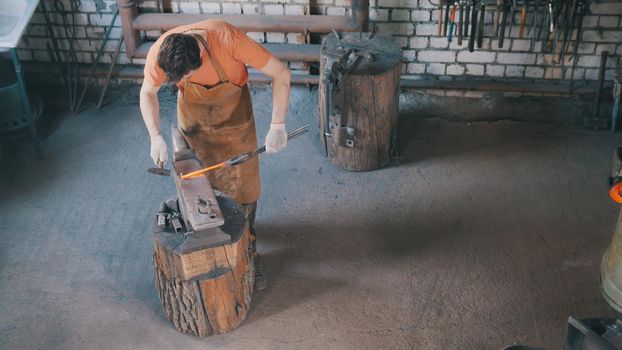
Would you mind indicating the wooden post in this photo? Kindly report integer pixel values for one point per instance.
(204, 269)
(360, 14)
(128, 10)
(359, 99)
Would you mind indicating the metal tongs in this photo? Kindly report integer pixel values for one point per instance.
(242, 158)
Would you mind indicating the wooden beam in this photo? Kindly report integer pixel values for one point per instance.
(284, 52)
(260, 23)
(128, 12)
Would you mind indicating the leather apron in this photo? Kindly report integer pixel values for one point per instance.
(217, 122)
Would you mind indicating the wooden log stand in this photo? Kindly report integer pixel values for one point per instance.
(203, 259)
(359, 99)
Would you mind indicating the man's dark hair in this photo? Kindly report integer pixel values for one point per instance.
(179, 54)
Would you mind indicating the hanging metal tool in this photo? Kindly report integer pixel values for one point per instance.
(109, 75)
(473, 26)
(581, 12)
(330, 80)
(569, 24)
(497, 18)
(523, 20)
(441, 3)
(513, 7)
(72, 67)
(57, 56)
(447, 10)
(452, 23)
(99, 54)
(504, 21)
(551, 22)
(480, 30)
(547, 26)
(532, 27)
(461, 21)
(557, 17)
(596, 122)
(244, 157)
(467, 18)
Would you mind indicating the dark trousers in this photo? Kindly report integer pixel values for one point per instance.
(250, 210)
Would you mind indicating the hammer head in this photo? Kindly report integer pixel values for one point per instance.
(159, 171)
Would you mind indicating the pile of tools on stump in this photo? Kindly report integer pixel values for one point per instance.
(359, 99)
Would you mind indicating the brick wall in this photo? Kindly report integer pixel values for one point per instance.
(413, 22)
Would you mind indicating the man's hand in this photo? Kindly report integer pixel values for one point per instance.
(276, 140)
(150, 109)
(159, 153)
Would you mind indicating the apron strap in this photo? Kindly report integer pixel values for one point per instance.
(221, 72)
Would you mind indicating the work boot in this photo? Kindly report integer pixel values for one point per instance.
(261, 281)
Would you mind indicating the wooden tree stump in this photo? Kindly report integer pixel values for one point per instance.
(205, 289)
(359, 99)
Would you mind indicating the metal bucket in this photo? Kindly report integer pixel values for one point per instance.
(13, 115)
(15, 121)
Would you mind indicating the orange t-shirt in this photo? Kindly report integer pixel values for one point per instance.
(231, 48)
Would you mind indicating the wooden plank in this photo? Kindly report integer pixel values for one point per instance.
(162, 257)
(214, 307)
(205, 328)
(232, 300)
(228, 300)
(262, 23)
(245, 272)
(295, 52)
(204, 261)
(232, 251)
(177, 266)
(284, 52)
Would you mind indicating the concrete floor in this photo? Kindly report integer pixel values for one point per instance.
(485, 234)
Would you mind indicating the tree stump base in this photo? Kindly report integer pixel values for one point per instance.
(205, 289)
(359, 99)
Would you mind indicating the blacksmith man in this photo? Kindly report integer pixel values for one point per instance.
(207, 61)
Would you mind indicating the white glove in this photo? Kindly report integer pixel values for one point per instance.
(158, 150)
(276, 139)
